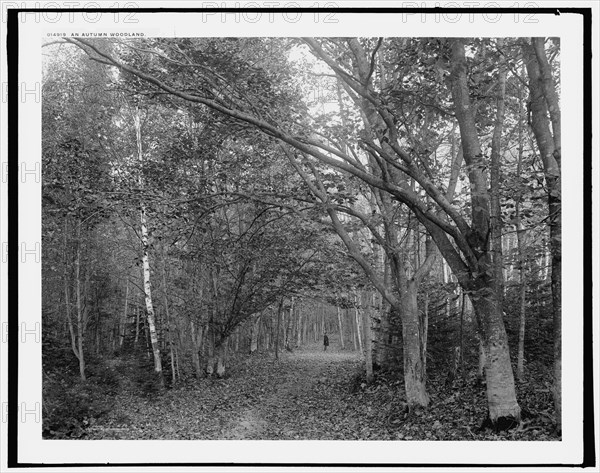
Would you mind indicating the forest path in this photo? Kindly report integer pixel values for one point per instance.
(305, 394)
(305, 401)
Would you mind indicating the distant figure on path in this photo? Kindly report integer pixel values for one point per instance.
(325, 342)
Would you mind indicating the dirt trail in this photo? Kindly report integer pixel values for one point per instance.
(303, 395)
(304, 401)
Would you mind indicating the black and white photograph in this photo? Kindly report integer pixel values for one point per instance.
(346, 236)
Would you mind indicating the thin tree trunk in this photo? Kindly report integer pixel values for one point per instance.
(254, 329)
(339, 315)
(366, 318)
(352, 330)
(74, 344)
(482, 358)
(146, 268)
(279, 312)
(357, 317)
(520, 256)
(137, 326)
(124, 318)
(197, 336)
(299, 332)
(210, 343)
(167, 315)
(81, 310)
(496, 152)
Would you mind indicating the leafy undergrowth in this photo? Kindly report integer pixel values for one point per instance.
(311, 394)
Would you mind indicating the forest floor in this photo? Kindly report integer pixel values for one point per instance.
(307, 394)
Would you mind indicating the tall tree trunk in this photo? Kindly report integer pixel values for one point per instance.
(520, 255)
(81, 306)
(544, 101)
(487, 301)
(496, 158)
(146, 268)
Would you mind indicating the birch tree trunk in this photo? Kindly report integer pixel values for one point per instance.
(146, 266)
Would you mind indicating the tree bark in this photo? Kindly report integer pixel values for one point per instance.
(483, 285)
(358, 324)
(146, 268)
(196, 358)
(544, 101)
(221, 351)
(367, 322)
(299, 328)
(339, 316)
(520, 255)
(254, 329)
(279, 312)
(167, 315)
(123, 322)
(495, 167)
(80, 306)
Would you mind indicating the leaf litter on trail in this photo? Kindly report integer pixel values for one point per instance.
(303, 395)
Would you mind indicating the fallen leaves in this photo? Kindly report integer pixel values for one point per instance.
(305, 395)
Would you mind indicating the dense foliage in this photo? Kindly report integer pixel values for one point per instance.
(208, 198)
